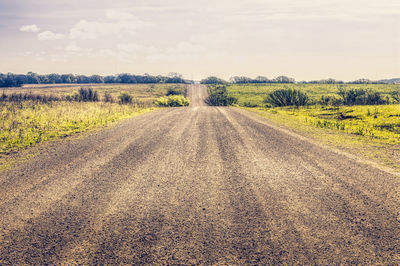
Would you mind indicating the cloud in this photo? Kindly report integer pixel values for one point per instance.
(73, 49)
(136, 48)
(119, 22)
(50, 36)
(181, 52)
(119, 15)
(30, 28)
(90, 30)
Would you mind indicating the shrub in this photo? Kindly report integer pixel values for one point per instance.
(212, 80)
(88, 95)
(108, 98)
(396, 96)
(218, 96)
(175, 91)
(361, 97)
(20, 97)
(287, 97)
(249, 104)
(330, 100)
(125, 98)
(173, 101)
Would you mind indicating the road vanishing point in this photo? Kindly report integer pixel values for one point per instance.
(197, 185)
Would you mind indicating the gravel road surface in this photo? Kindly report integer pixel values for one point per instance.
(197, 185)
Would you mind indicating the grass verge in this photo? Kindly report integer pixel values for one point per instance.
(370, 131)
(27, 123)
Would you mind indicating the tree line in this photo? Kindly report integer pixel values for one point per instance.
(285, 79)
(17, 80)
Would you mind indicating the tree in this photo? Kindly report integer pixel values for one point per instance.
(283, 79)
(240, 80)
(213, 80)
(261, 79)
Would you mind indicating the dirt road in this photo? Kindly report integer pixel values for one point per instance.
(204, 185)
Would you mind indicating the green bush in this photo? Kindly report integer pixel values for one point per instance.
(108, 98)
(361, 97)
(287, 97)
(218, 96)
(125, 98)
(396, 96)
(172, 101)
(175, 91)
(88, 95)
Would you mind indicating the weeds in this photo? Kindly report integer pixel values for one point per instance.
(287, 97)
(218, 96)
(23, 124)
(172, 101)
(125, 98)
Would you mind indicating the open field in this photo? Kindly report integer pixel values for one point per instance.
(254, 94)
(371, 130)
(26, 123)
(145, 93)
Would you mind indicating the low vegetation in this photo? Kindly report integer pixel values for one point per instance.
(287, 97)
(176, 91)
(27, 123)
(172, 101)
(365, 117)
(218, 96)
(38, 114)
(324, 94)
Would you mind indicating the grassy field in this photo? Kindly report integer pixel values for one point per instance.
(371, 130)
(26, 123)
(252, 95)
(145, 94)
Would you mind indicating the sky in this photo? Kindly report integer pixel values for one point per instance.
(303, 39)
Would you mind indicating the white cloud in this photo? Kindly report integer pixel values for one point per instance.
(136, 48)
(90, 30)
(30, 28)
(181, 52)
(121, 22)
(119, 15)
(105, 53)
(50, 36)
(73, 49)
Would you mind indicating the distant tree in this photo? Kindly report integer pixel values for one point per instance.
(54, 78)
(361, 81)
(15, 80)
(68, 78)
(110, 79)
(82, 79)
(174, 75)
(283, 79)
(261, 79)
(32, 78)
(96, 79)
(213, 80)
(240, 80)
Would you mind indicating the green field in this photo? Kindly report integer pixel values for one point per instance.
(26, 123)
(143, 94)
(371, 130)
(252, 95)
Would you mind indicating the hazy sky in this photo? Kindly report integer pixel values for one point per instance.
(304, 39)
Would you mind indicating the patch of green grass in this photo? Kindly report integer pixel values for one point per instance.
(254, 94)
(27, 123)
(146, 94)
(373, 131)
